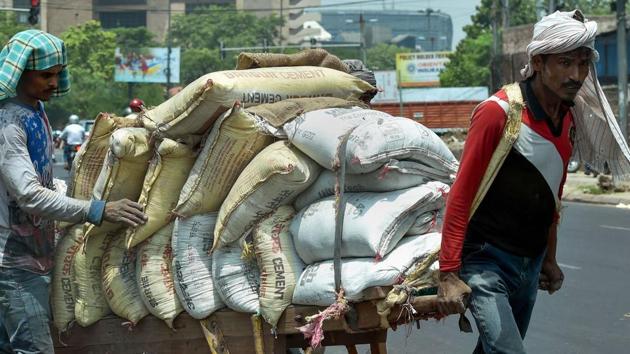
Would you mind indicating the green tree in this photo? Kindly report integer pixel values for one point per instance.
(9, 26)
(91, 66)
(469, 64)
(383, 56)
(588, 7)
(199, 35)
(135, 37)
(90, 50)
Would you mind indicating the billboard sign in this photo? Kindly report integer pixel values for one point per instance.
(146, 65)
(420, 69)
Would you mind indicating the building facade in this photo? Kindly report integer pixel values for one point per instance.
(294, 12)
(56, 16)
(432, 30)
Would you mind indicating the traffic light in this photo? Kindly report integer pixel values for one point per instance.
(33, 15)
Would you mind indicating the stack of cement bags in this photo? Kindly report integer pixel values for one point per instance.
(237, 175)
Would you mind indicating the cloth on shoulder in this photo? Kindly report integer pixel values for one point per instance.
(598, 139)
(31, 50)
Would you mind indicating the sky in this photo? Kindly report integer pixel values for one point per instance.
(460, 10)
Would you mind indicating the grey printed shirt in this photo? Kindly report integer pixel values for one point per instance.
(28, 203)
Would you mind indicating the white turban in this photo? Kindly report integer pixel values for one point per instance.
(598, 139)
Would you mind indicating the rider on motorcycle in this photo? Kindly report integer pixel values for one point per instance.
(72, 138)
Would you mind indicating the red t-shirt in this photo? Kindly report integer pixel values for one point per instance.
(520, 206)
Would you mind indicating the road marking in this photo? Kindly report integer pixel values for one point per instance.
(569, 266)
(615, 227)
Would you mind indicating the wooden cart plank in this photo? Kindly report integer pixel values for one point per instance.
(151, 335)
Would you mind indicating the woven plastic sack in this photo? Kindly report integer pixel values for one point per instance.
(278, 262)
(155, 278)
(230, 146)
(195, 109)
(373, 222)
(319, 133)
(273, 178)
(167, 173)
(119, 281)
(395, 175)
(426, 222)
(237, 279)
(90, 302)
(316, 285)
(63, 290)
(372, 145)
(192, 265)
(88, 161)
(309, 57)
(123, 172)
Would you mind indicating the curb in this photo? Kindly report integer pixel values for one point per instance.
(592, 199)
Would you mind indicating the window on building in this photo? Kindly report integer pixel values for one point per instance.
(120, 2)
(192, 6)
(21, 17)
(123, 19)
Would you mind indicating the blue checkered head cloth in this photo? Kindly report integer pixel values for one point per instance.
(32, 50)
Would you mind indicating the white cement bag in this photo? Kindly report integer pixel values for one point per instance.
(373, 223)
(198, 105)
(273, 178)
(119, 281)
(192, 265)
(316, 285)
(154, 276)
(373, 144)
(319, 133)
(237, 279)
(424, 223)
(279, 264)
(395, 175)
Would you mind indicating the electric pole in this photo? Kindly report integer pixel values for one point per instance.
(540, 9)
(363, 42)
(168, 51)
(622, 67)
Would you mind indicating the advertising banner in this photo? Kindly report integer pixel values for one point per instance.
(420, 69)
(146, 65)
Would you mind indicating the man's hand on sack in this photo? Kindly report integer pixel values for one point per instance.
(125, 212)
(452, 294)
(551, 276)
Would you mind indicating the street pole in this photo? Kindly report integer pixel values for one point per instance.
(506, 14)
(622, 67)
(552, 6)
(362, 34)
(495, 46)
(540, 9)
(168, 51)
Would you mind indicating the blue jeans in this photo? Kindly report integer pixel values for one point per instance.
(504, 288)
(24, 312)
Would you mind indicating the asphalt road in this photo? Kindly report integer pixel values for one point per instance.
(590, 314)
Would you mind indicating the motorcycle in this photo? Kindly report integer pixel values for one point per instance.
(71, 152)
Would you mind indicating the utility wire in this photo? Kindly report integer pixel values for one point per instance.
(126, 7)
